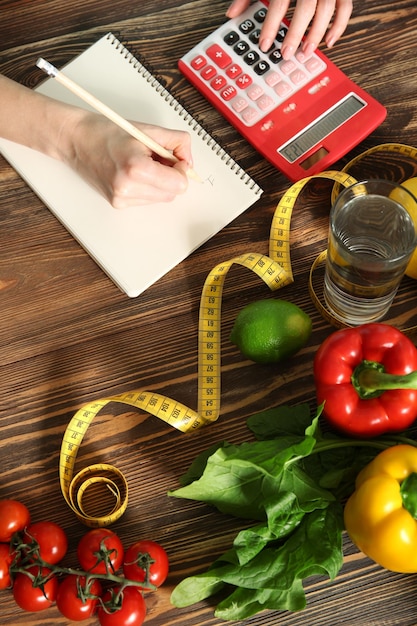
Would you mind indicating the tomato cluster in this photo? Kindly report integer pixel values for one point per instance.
(110, 583)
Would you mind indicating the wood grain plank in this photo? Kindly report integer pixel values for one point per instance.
(68, 336)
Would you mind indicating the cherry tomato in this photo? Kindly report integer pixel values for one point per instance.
(52, 540)
(31, 598)
(14, 516)
(97, 546)
(131, 613)
(76, 602)
(145, 556)
(6, 559)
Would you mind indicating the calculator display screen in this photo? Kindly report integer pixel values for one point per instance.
(321, 128)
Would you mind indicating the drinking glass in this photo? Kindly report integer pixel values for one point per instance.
(372, 236)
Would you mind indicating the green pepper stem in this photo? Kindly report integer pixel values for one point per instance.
(379, 444)
(370, 380)
(408, 492)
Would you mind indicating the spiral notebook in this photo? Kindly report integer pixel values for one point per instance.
(138, 245)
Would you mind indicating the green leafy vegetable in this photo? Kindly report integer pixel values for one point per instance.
(292, 481)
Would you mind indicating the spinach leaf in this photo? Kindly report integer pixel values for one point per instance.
(244, 603)
(272, 579)
(280, 421)
(242, 479)
(289, 481)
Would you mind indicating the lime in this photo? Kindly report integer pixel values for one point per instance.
(267, 331)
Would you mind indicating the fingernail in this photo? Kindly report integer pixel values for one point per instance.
(229, 12)
(287, 51)
(265, 43)
(330, 42)
(308, 49)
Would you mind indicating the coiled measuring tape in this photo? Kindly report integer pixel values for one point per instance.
(275, 270)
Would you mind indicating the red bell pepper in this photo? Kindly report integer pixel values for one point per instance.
(367, 379)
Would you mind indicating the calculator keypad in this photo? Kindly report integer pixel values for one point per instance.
(251, 83)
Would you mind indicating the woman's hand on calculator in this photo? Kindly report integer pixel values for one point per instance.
(316, 13)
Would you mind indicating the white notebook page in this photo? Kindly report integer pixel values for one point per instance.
(138, 245)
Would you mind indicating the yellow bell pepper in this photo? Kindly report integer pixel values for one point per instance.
(380, 516)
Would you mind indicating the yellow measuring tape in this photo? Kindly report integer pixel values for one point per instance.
(275, 270)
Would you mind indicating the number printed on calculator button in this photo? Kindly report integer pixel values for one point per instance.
(247, 26)
(241, 47)
(254, 36)
(275, 56)
(261, 67)
(281, 34)
(251, 57)
(260, 16)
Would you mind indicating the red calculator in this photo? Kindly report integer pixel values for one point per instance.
(301, 114)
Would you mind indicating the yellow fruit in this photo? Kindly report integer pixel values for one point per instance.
(411, 185)
(268, 331)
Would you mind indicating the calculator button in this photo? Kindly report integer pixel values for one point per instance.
(208, 72)
(218, 83)
(243, 81)
(228, 93)
(198, 62)
(275, 56)
(283, 89)
(231, 38)
(234, 70)
(315, 65)
(239, 104)
(254, 92)
(272, 78)
(250, 115)
(260, 16)
(251, 57)
(298, 77)
(265, 102)
(261, 67)
(246, 27)
(287, 67)
(281, 34)
(219, 56)
(241, 47)
(301, 57)
(255, 36)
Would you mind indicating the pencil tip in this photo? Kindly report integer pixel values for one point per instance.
(193, 174)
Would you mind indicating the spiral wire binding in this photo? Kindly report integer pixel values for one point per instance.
(144, 68)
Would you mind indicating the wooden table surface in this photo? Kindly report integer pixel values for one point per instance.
(68, 336)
